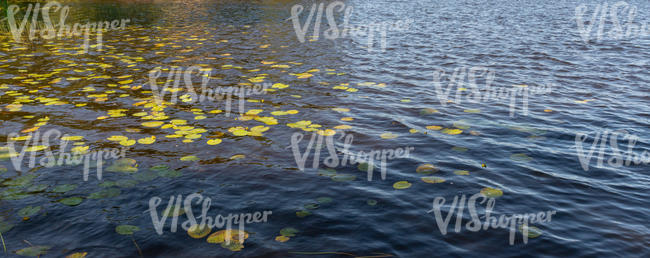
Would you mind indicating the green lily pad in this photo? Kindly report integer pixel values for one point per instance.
(107, 184)
(491, 192)
(36, 188)
(521, 157)
(5, 226)
(327, 172)
(14, 194)
(459, 149)
(533, 231)
(106, 193)
(343, 177)
(363, 167)
(159, 167)
(371, 202)
(20, 181)
(29, 211)
(72, 201)
(233, 245)
(323, 200)
(461, 172)
(401, 185)
(289, 232)
(145, 176)
(171, 212)
(124, 165)
(64, 188)
(170, 173)
(126, 183)
(302, 213)
(126, 229)
(311, 206)
(461, 124)
(35, 251)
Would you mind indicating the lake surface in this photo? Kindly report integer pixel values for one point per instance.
(525, 152)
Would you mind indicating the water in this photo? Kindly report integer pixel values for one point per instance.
(597, 86)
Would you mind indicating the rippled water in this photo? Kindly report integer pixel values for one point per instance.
(532, 158)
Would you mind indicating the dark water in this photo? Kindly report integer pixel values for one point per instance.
(598, 85)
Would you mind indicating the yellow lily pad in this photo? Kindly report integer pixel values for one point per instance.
(401, 185)
(491, 192)
(432, 179)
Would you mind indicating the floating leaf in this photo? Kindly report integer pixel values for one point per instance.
(281, 239)
(461, 172)
(371, 202)
(459, 149)
(127, 142)
(302, 213)
(147, 140)
(324, 200)
(289, 232)
(452, 131)
(5, 226)
(388, 135)
(72, 201)
(72, 138)
(401, 185)
(126, 183)
(432, 179)
(327, 172)
(491, 192)
(521, 157)
(126, 229)
(36, 188)
(190, 158)
(434, 127)
(77, 255)
(221, 236)
(29, 211)
(214, 141)
(173, 211)
(197, 231)
(35, 251)
(145, 176)
(426, 169)
(123, 165)
(233, 246)
(428, 111)
(533, 231)
(117, 138)
(106, 193)
(311, 206)
(343, 177)
(152, 124)
(20, 181)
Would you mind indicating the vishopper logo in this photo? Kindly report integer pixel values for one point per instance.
(77, 155)
(350, 157)
(472, 93)
(629, 30)
(335, 31)
(617, 157)
(47, 29)
(513, 222)
(178, 206)
(219, 93)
